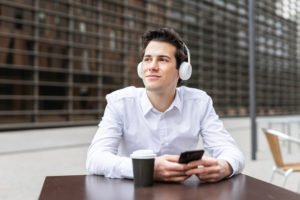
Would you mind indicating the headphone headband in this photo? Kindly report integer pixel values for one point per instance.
(187, 52)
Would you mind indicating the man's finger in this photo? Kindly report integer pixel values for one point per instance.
(203, 162)
(201, 170)
(172, 158)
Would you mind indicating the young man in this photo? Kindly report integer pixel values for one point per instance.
(165, 118)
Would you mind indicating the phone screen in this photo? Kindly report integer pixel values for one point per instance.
(188, 156)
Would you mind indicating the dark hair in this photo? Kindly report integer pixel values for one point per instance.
(166, 35)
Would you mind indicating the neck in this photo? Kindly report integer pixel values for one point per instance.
(161, 101)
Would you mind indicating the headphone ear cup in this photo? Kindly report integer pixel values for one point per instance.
(139, 70)
(185, 71)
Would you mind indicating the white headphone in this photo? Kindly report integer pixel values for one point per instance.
(185, 69)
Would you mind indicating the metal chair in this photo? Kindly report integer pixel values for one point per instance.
(281, 167)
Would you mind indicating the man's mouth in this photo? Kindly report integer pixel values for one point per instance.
(152, 76)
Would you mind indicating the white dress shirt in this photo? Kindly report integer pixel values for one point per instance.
(130, 122)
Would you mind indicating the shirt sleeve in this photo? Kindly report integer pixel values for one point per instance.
(102, 158)
(218, 142)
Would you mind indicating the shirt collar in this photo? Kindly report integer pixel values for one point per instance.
(147, 105)
(177, 101)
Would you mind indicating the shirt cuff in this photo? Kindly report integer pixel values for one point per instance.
(125, 168)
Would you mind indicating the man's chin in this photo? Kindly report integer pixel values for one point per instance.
(151, 88)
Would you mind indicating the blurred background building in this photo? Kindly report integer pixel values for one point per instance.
(59, 58)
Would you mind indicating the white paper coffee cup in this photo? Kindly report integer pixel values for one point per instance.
(143, 167)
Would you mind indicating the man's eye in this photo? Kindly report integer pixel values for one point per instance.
(146, 59)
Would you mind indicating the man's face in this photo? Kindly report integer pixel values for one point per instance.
(159, 67)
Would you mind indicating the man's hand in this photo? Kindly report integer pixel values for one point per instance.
(209, 169)
(167, 168)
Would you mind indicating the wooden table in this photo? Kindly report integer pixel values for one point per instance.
(240, 187)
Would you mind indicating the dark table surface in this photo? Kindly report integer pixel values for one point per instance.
(240, 187)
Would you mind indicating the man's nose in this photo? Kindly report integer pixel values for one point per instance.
(153, 65)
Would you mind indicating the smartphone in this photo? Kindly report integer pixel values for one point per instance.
(188, 156)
